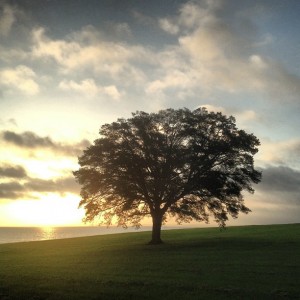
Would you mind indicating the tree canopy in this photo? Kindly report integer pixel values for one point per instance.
(188, 165)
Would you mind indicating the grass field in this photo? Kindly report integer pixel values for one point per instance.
(251, 262)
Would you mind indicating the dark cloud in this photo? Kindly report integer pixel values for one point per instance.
(281, 178)
(61, 185)
(18, 185)
(15, 190)
(68, 184)
(280, 185)
(27, 139)
(12, 171)
(41, 185)
(75, 149)
(11, 190)
(30, 140)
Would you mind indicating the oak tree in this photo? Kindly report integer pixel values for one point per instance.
(188, 165)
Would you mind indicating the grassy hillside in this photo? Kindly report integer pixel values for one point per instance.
(252, 262)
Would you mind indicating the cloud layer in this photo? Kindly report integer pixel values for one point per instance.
(12, 171)
(208, 54)
(282, 184)
(7, 18)
(34, 188)
(31, 140)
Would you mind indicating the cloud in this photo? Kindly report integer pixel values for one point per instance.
(21, 78)
(214, 108)
(112, 91)
(33, 186)
(168, 26)
(65, 53)
(86, 87)
(280, 184)
(247, 115)
(216, 57)
(174, 79)
(191, 16)
(257, 62)
(30, 140)
(87, 49)
(212, 55)
(287, 152)
(280, 84)
(12, 171)
(89, 88)
(27, 139)
(61, 185)
(282, 179)
(205, 53)
(242, 116)
(214, 51)
(7, 19)
(11, 190)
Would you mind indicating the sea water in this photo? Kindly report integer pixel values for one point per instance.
(26, 234)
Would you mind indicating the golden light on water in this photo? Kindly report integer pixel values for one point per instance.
(48, 232)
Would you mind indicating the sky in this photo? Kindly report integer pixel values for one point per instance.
(69, 66)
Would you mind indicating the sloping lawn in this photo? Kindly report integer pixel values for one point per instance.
(251, 262)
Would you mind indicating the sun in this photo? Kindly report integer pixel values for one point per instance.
(51, 210)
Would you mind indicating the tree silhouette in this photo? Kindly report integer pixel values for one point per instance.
(188, 165)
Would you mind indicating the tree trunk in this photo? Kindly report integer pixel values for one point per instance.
(156, 229)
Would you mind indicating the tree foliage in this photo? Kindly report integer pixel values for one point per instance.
(188, 165)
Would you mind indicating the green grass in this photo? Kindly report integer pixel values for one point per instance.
(251, 262)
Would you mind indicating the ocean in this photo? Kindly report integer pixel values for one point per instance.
(26, 234)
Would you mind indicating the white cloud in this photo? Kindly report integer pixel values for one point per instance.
(61, 51)
(175, 79)
(214, 56)
(215, 53)
(208, 54)
(213, 108)
(282, 152)
(194, 14)
(242, 116)
(247, 115)
(210, 57)
(21, 78)
(257, 62)
(89, 88)
(112, 92)
(168, 26)
(87, 49)
(7, 19)
(191, 16)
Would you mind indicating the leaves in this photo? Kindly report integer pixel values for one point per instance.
(188, 164)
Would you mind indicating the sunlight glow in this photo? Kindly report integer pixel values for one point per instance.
(52, 167)
(51, 210)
